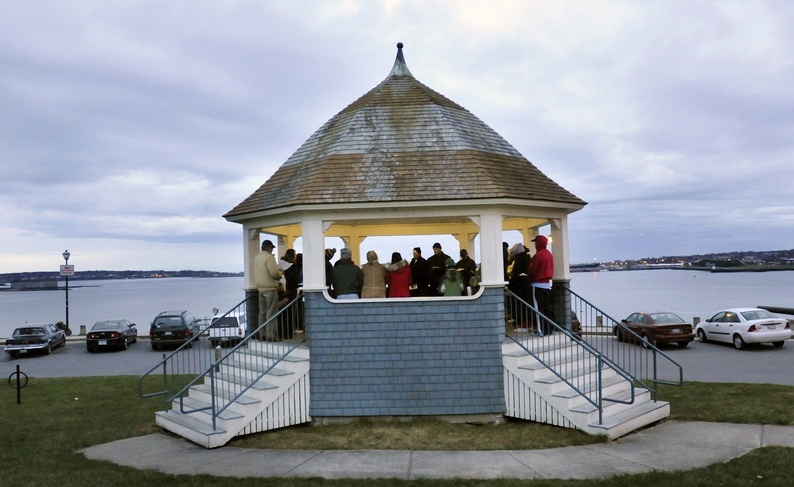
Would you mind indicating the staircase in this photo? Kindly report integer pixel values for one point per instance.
(534, 392)
(279, 399)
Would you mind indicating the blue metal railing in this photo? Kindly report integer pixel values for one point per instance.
(564, 353)
(646, 364)
(226, 373)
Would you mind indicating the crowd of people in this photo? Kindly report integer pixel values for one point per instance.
(528, 277)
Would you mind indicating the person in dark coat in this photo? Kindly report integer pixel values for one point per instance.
(329, 271)
(294, 278)
(521, 285)
(467, 268)
(420, 275)
(438, 266)
(348, 278)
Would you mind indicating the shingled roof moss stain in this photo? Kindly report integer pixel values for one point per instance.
(403, 142)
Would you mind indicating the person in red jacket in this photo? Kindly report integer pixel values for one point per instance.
(398, 277)
(541, 270)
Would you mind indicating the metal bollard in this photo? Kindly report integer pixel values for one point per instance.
(695, 320)
(217, 358)
(82, 330)
(599, 321)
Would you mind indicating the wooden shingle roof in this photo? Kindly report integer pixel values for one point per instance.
(401, 142)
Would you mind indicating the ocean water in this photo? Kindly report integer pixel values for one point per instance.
(688, 293)
(137, 300)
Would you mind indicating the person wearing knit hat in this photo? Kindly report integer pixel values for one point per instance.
(437, 263)
(374, 277)
(451, 283)
(348, 279)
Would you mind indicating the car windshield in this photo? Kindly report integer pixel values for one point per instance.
(167, 322)
(36, 331)
(225, 322)
(105, 325)
(666, 318)
(758, 314)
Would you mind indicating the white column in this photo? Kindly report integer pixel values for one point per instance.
(313, 255)
(492, 271)
(559, 248)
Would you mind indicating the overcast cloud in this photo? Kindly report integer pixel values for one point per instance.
(128, 128)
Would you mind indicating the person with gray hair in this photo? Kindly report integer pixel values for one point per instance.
(348, 278)
(266, 278)
(374, 277)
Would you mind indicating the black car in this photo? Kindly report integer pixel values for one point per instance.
(35, 338)
(173, 328)
(108, 334)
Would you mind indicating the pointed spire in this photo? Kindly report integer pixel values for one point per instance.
(400, 68)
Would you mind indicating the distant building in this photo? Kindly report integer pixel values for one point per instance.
(34, 285)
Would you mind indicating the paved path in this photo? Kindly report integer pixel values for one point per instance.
(669, 446)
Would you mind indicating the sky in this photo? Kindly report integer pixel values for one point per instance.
(127, 129)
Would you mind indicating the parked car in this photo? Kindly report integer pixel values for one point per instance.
(741, 326)
(656, 328)
(227, 330)
(35, 338)
(111, 334)
(173, 328)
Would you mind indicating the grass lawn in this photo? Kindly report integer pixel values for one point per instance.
(39, 439)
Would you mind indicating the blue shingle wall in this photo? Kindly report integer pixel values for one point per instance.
(406, 357)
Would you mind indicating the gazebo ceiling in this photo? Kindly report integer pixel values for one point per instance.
(403, 142)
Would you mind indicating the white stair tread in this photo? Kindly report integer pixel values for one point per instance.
(190, 422)
(629, 414)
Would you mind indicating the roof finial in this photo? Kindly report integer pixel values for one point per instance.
(400, 68)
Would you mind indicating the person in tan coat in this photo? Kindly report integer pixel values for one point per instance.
(374, 277)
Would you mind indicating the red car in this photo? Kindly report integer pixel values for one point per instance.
(656, 328)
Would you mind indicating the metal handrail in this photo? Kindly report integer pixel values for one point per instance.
(260, 357)
(562, 344)
(644, 363)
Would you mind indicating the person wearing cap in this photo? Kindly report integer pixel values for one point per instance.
(374, 277)
(420, 275)
(541, 271)
(266, 278)
(467, 268)
(451, 283)
(438, 266)
(348, 278)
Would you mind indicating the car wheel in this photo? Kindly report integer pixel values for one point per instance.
(683, 344)
(89, 349)
(48, 350)
(154, 347)
(124, 344)
(13, 355)
(646, 342)
(702, 336)
(620, 336)
(778, 344)
(738, 341)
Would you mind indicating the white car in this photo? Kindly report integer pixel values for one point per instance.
(227, 330)
(741, 326)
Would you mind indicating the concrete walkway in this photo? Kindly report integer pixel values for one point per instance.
(669, 446)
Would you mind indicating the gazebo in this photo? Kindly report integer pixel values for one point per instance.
(405, 160)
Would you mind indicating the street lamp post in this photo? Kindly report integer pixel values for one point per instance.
(66, 255)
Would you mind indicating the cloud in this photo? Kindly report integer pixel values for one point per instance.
(128, 129)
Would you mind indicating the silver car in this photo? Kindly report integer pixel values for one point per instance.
(742, 326)
(35, 338)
